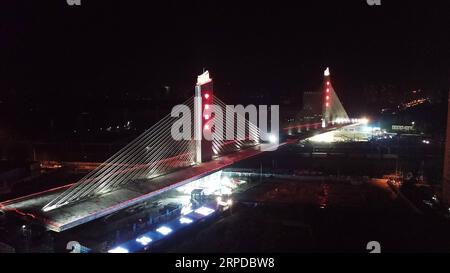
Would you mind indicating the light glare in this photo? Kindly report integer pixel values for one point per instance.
(204, 211)
(185, 220)
(164, 230)
(273, 139)
(118, 250)
(144, 240)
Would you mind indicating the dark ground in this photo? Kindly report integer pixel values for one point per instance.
(321, 217)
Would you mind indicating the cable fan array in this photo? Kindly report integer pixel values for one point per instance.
(241, 127)
(151, 154)
(155, 153)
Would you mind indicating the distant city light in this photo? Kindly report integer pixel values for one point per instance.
(144, 240)
(164, 230)
(328, 90)
(206, 127)
(206, 117)
(425, 141)
(328, 83)
(206, 96)
(185, 220)
(118, 250)
(206, 106)
(204, 211)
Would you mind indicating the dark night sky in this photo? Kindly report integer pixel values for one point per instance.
(50, 49)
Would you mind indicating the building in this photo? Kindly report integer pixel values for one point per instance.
(312, 105)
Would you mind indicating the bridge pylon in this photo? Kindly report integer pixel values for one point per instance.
(332, 109)
(327, 98)
(203, 101)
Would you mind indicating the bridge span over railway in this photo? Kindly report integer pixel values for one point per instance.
(155, 162)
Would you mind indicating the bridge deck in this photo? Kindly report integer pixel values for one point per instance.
(70, 216)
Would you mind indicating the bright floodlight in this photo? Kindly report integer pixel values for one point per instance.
(164, 230)
(144, 240)
(364, 120)
(118, 250)
(273, 138)
(185, 220)
(204, 211)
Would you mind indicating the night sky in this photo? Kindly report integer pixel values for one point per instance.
(51, 51)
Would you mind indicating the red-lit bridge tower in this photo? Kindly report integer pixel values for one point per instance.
(203, 101)
(327, 98)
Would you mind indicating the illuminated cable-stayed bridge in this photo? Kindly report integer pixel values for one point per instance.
(156, 161)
